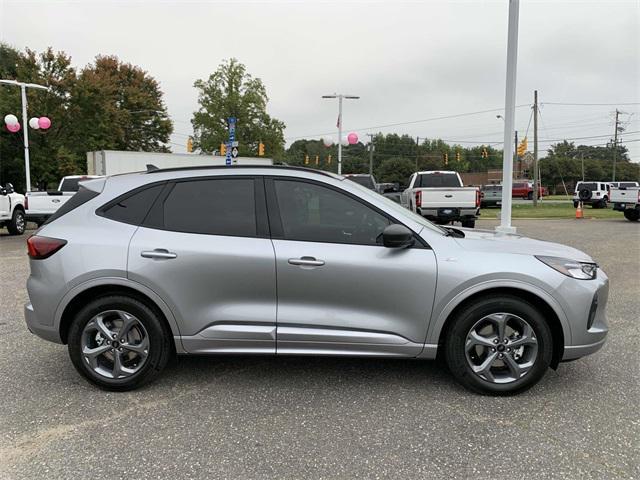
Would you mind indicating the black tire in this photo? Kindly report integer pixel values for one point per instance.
(468, 223)
(530, 196)
(575, 204)
(18, 223)
(604, 203)
(632, 214)
(159, 351)
(464, 321)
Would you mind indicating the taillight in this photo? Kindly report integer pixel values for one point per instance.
(26, 203)
(477, 198)
(418, 198)
(40, 248)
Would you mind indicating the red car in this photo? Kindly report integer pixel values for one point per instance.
(525, 190)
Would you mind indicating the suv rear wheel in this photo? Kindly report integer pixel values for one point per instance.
(118, 343)
(499, 346)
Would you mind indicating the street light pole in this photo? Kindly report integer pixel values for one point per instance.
(25, 122)
(509, 118)
(340, 96)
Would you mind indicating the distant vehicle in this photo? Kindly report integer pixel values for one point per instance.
(40, 206)
(441, 196)
(491, 195)
(115, 162)
(364, 179)
(12, 210)
(525, 190)
(627, 199)
(594, 193)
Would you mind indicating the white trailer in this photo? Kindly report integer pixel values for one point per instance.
(113, 162)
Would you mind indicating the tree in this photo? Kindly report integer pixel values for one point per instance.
(395, 170)
(108, 105)
(119, 106)
(232, 92)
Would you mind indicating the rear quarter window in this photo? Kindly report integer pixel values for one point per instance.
(132, 207)
(81, 197)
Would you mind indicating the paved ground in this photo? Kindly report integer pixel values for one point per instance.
(327, 418)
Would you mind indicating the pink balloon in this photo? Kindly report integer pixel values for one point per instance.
(14, 127)
(44, 123)
(352, 138)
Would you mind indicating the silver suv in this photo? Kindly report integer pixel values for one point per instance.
(286, 261)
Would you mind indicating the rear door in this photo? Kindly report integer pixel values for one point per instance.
(205, 249)
(339, 290)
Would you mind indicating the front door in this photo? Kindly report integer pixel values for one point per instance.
(339, 290)
(204, 248)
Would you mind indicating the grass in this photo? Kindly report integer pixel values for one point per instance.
(558, 197)
(554, 210)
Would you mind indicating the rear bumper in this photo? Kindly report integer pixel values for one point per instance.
(43, 331)
(456, 213)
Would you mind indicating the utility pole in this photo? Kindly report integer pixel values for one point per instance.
(536, 188)
(515, 158)
(25, 122)
(371, 147)
(615, 146)
(340, 96)
(417, 151)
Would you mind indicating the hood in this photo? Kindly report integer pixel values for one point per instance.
(489, 241)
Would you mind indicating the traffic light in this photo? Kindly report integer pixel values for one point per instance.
(223, 149)
(190, 145)
(261, 149)
(446, 158)
(317, 159)
(329, 160)
(457, 156)
(485, 153)
(306, 159)
(522, 148)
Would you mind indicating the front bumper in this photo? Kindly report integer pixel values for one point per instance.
(43, 331)
(588, 332)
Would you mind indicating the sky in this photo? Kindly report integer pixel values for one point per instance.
(411, 63)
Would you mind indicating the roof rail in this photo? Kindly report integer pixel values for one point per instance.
(155, 169)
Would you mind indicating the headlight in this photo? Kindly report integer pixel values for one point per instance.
(571, 268)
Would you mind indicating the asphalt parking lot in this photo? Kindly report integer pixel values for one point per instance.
(254, 417)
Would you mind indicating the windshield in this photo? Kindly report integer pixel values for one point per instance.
(395, 208)
(364, 180)
(435, 180)
(492, 188)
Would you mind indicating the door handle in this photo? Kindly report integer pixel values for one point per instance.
(306, 262)
(158, 253)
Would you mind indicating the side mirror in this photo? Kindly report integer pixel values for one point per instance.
(8, 188)
(397, 236)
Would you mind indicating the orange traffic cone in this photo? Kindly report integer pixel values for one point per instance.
(579, 213)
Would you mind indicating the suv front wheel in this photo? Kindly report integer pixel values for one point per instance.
(499, 345)
(118, 343)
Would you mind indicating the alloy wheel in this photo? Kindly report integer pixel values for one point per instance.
(501, 348)
(115, 344)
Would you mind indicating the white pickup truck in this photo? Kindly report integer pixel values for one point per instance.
(12, 210)
(41, 205)
(441, 197)
(626, 198)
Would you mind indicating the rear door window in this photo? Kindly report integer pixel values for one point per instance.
(221, 206)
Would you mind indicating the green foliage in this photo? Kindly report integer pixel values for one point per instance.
(90, 110)
(232, 92)
(563, 163)
(395, 170)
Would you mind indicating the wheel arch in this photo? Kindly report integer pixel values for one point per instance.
(559, 329)
(80, 295)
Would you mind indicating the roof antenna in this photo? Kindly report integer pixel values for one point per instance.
(151, 167)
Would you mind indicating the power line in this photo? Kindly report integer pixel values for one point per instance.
(590, 104)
